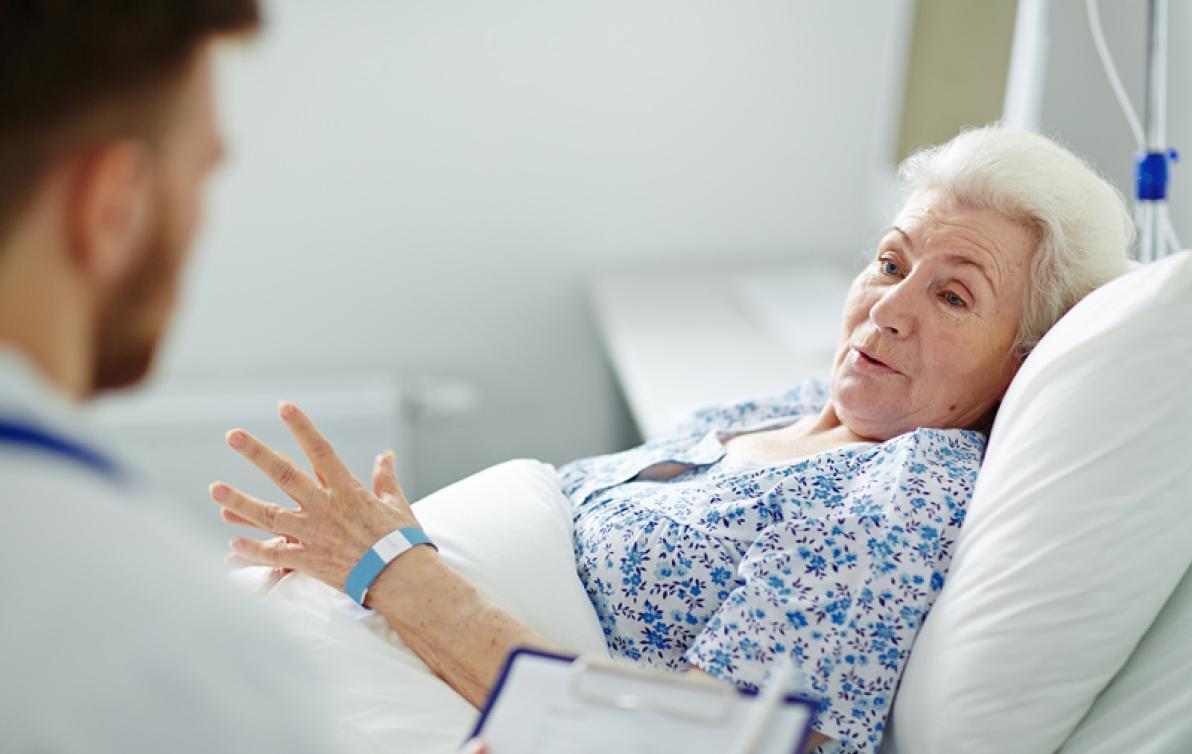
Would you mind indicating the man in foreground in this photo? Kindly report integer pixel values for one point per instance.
(116, 634)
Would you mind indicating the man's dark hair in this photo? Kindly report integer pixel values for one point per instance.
(66, 66)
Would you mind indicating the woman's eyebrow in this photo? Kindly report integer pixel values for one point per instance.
(906, 239)
(960, 259)
(956, 259)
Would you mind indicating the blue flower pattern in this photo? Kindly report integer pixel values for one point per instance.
(833, 559)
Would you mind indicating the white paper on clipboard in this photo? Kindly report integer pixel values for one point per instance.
(552, 704)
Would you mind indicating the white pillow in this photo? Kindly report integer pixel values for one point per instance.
(1148, 707)
(507, 529)
(1079, 528)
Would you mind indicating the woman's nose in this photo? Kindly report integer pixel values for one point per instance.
(893, 314)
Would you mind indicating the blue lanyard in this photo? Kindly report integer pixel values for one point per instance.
(29, 436)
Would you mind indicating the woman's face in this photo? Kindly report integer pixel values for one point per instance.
(930, 324)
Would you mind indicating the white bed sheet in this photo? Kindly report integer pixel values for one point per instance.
(508, 530)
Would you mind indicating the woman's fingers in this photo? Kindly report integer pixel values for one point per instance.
(260, 581)
(285, 473)
(232, 518)
(384, 476)
(318, 450)
(335, 522)
(277, 552)
(249, 510)
(270, 577)
(233, 560)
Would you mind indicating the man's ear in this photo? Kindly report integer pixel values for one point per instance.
(108, 210)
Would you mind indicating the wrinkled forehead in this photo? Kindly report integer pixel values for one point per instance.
(934, 209)
(937, 221)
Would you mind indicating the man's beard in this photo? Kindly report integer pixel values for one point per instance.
(132, 320)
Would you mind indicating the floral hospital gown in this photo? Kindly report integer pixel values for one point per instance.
(833, 559)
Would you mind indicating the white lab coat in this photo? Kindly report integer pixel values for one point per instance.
(117, 634)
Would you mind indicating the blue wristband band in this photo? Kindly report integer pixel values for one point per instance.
(374, 560)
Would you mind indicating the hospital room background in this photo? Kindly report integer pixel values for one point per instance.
(475, 230)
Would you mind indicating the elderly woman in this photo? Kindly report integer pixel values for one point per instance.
(818, 525)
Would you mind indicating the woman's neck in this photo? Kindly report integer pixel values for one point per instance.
(807, 436)
(827, 426)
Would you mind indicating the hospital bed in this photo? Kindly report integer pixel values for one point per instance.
(1066, 621)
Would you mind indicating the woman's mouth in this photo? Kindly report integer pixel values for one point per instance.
(868, 364)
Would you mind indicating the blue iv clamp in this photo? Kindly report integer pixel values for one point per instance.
(1150, 174)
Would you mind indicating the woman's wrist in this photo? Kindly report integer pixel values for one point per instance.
(404, 591)
(462, 637)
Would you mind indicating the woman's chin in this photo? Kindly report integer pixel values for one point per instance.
(876, 420)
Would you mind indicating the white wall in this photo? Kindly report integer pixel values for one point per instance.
(423, 188)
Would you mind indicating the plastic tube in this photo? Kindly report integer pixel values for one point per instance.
(1170, 238)
(1115, 81)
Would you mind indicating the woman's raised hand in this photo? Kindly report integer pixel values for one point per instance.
(337, 518)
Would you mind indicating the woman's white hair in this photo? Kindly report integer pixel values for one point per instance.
(1082, 222)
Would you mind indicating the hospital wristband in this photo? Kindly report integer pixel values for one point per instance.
(380, 555)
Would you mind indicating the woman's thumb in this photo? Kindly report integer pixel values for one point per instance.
(384, 476)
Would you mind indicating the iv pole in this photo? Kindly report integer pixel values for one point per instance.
(1156, 236)
(1024, 96)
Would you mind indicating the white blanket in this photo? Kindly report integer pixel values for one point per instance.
(508, 530)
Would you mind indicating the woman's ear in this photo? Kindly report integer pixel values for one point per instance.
(108, 212)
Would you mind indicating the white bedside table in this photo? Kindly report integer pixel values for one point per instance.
(679, 341)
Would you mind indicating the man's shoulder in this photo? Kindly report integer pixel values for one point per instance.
(81, 536)
(76, 513)
(117, 607)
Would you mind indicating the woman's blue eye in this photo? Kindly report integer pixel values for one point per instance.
(890, 267)
(953, 299)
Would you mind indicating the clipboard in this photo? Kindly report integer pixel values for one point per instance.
(547, 703)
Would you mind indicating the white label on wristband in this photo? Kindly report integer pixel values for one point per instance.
(391, 546)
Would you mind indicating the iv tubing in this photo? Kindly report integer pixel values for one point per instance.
(1115, 81)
